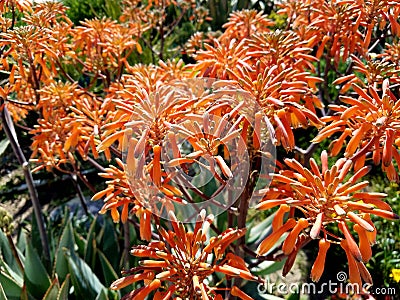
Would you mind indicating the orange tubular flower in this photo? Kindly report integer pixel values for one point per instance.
(21, 5)
(117, 193)
(179, 262)
(245, 23)
(269, 242)
(301, 241)
(225, 54)
(242, 295)
(374, 121)
(290, 241)
(68, 124)
(275, 67)
(319, 264)
(325, 196)
(354, 275)
(145, 223)
(364, 244)
(277, 222)
(357, 269)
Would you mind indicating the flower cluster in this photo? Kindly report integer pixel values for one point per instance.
(275, 67)
(167, 126)
(327, 198)
(370, 124)
(178, 265)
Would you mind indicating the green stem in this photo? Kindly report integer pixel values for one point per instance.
(74, 178)
(162, 34)
(127, 245)
(213, 12)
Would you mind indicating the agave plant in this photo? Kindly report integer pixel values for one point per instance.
(73, 273)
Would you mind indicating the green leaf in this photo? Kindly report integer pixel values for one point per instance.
(91, 244)
(22, 241)
(53, 290)
(85, 282)
(17, 276)
(67, 241)
(257, 231)
(10, 286)
(102, 295)
(222, 220)
(64, 290)
(35, 235)
(7, 255)
(109, 242)
(295, 296)
(80, 244)
(268, 267)
(2, 293)
(270, 297)
(3, 146)
(112, 9)
(36, 278)
(108, 272)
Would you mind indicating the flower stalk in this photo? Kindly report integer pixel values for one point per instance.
(9, 130)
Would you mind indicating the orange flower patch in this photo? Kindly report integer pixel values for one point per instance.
(179, 263)
(325, 196)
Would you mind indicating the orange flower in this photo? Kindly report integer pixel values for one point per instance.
(277, 222)
(226, 54)
(21, 5)
(373, 119)
(270, 241)
(145, 223)
(301, 241)
(319, 263)
(245, 23)
(290, 241)
(239, 293)
(354, 275)
(324, 196)
(364, 244)
(357, 269)
(179, 262)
